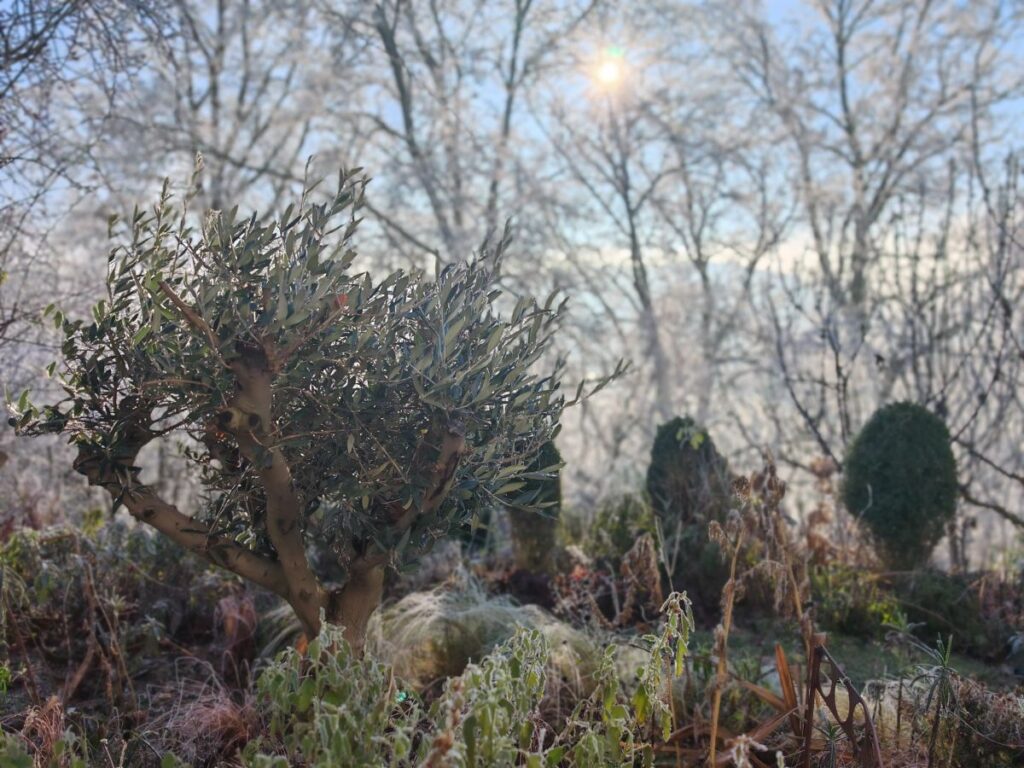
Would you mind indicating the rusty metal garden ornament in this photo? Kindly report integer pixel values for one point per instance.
(863, 739)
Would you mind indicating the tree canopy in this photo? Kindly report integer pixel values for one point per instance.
(368, 417)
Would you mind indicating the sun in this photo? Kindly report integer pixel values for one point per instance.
(609, 72)
(610, 69)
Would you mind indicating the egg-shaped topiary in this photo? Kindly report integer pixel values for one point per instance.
(688, 480)
(689, 485)
(900, 479)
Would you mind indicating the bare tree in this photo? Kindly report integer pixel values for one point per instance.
(53, 56)
(233, 82)
(890, 294)
(440, 105)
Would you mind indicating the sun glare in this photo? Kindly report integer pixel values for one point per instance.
(610, 70)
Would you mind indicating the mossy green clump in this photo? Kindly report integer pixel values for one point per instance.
(852, 601)
(613, 528)
(900, 479)
(534, 524)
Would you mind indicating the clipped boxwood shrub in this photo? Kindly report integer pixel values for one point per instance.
(612, 529)
(900, 479)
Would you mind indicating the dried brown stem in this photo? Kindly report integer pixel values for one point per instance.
(723, 645)
(19, 640)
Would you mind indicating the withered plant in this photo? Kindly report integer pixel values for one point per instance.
(757, 542)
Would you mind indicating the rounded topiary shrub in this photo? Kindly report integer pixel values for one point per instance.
(900, 479)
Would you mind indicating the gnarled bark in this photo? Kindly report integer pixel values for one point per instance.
(353, 604)
(145, 505)
(250, 420)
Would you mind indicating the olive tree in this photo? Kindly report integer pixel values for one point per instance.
(331, 412)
